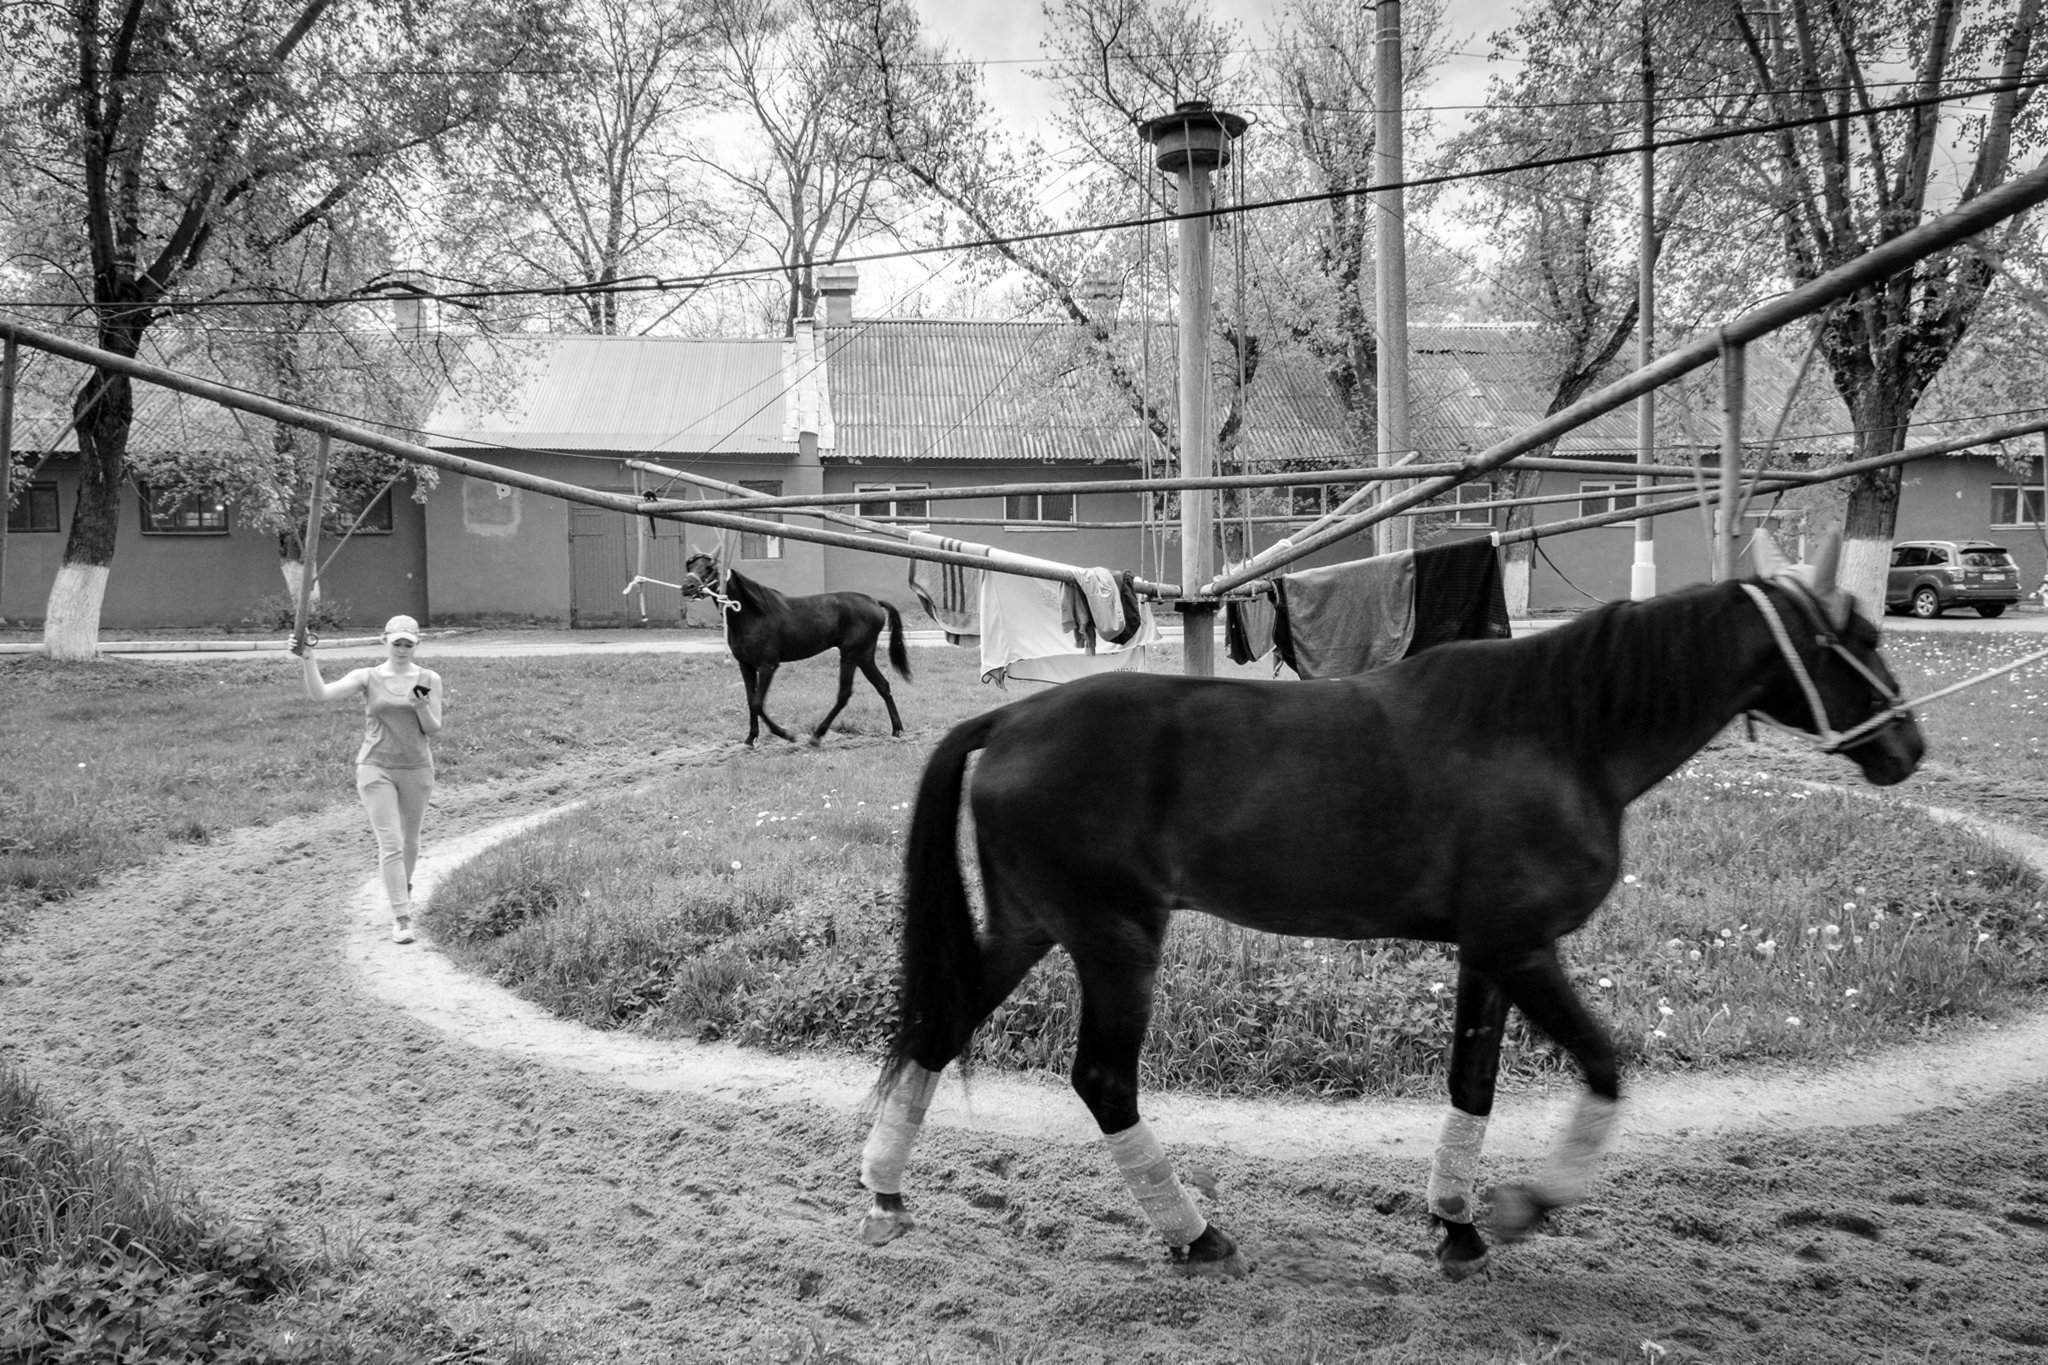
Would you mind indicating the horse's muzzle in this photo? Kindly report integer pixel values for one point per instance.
(1891, 753)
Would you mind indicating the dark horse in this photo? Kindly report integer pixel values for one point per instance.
(1472, 795)
(766, 629)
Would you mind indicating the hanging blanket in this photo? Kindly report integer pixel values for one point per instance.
(1026, 634)
(1344, 619)
(1348, 618)
(950, 594)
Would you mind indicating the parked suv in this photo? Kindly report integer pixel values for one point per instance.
(1929, 576)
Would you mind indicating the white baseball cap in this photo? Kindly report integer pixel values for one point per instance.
(402, 628)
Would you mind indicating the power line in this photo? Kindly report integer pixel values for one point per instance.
(664, 285)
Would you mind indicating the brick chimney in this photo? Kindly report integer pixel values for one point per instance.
(837, 284)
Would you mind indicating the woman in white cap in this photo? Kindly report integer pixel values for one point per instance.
(395, 765)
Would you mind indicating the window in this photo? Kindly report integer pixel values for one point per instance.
(1039, 507)
(1456, 510)
(2015, 504)
(887, 500)
(35, 509)
(754, 544)
(1599, 496)
(1310, 501)
(182, 514)
(376, 520)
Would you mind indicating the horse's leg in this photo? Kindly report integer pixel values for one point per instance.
(752, 684)
(845, 692)
(1535, 984)
(757, 702)
(1116, 1006)
(881, 684)
(1477, 1022)
(1003, 962)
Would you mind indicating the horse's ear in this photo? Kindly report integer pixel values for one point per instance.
(1764, 554)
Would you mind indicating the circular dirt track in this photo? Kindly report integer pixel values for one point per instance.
(612, 1197)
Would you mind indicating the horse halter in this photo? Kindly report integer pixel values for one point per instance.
(705, 590)
(1832, 741)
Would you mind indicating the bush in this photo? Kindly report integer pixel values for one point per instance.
(280, 611)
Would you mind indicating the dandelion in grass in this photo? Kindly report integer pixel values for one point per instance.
(1793, 1020)
(1606, 983)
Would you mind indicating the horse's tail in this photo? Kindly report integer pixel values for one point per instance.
(899, 659)
(936, 1000)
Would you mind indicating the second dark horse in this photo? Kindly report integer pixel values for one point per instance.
(766, 629)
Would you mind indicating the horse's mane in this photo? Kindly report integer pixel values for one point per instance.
(1621, 668)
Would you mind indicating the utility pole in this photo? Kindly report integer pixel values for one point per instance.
(1193, 141)
(10, 357)
(1642, 579)
(1390, 271)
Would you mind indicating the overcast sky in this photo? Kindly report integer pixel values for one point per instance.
(1005, 34)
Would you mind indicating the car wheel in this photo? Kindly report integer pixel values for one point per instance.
(1926, 603)
(1989, 609)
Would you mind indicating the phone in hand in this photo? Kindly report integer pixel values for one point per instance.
(421, 690)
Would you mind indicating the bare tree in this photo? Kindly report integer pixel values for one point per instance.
(589, 181)
(804, 165)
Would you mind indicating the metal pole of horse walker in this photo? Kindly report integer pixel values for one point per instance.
(1734, 367)
(307, 572)
(1390, 271)
(368, 439)
(10, 358)
(1192, 141)
(1966, 220)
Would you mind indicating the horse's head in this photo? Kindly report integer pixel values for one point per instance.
(700, 575)
(1834, 684)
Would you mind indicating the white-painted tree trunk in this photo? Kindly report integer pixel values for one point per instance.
(71, 624)
(1864, 565)
(1514, 583)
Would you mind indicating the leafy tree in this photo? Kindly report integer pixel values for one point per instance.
(1568, 237)
(180, 137)
(1864, 176)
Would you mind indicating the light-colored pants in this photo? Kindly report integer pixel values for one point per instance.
(396, 799)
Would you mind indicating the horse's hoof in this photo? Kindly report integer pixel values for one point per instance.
(1462, 1253)
(1516, 1213)
(1212, 1253)
(881, 1226)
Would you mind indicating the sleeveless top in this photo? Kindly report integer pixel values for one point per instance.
(392, 737)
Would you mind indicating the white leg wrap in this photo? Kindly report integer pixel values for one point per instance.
(1149, 1173)
(1456, 1162)
(1586, 1139)
(888, 1145)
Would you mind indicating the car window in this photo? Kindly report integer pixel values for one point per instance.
(1987, 559)
(1938, 554)
(1902, 558)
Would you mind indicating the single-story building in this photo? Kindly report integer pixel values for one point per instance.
(893, 412)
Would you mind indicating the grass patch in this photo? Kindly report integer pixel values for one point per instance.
(1758, 919)
(103, 1257)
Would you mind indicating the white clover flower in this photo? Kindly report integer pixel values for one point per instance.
(1793, 1020)
(1606, 983)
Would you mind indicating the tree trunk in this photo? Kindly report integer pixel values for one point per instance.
(71, 621)
(1872, 511)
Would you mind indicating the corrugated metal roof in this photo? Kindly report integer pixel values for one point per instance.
(1005, 392)
(646, 395)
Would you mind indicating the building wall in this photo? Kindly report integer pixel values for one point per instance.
(210, 581)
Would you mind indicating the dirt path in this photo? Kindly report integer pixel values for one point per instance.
(620, 1199)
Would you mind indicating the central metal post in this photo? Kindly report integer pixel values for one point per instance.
(1193, 141)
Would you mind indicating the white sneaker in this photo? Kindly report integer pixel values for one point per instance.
(401, 929)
